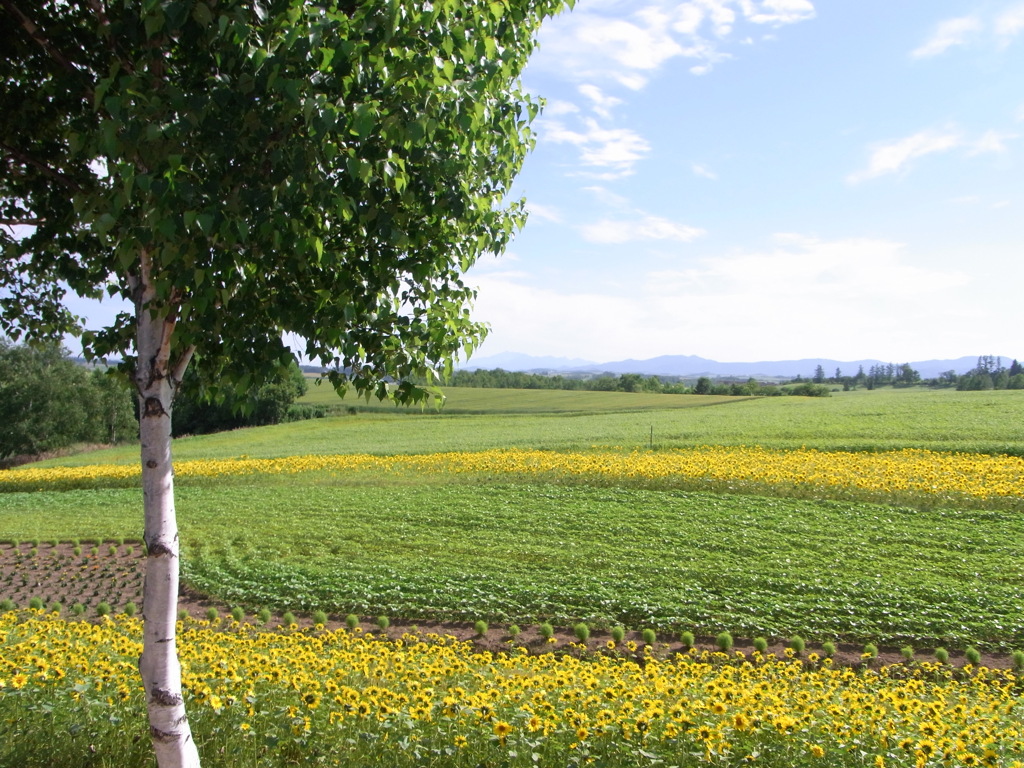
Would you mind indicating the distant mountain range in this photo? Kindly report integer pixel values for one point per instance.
(692, 366)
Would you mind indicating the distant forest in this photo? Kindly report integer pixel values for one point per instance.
(990, 373)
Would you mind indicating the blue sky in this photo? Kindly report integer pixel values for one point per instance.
(770, 179)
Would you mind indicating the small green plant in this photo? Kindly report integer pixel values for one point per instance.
(828, 649)
(907, 652)
(618, 634)
(798, 644)
(103, 609)
(94, 551)
(649, 636)
(129, 550)
(687, 639)
(546, 630)
(119, 541)
(582, 631)
(942, 655)
(288, 618)
(182, 614)
(35, 604)
(212, 614)
(76, 542)
(351, 621)
(319, 617)
(263, 615)
(55, 607)
(1018, 660)
(724, 642)
(77, 609)
(77, 550)
(238, 613)
(383, 622)
(6, 604)
(760, 644)
(35, 544)
(972, 654)
(480, 627)
(34, 551)
(130, 609)
(870, 651)
(514, 631)
(112, 550)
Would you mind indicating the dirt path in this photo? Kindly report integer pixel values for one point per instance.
(89, 578)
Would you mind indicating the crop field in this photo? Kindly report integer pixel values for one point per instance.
(890, 518)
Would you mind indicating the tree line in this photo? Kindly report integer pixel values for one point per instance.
(37, 416)
(499, 378)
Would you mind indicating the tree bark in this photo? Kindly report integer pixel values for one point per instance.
(158, 665)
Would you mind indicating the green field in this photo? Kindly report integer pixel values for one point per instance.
(522, 550)
(942, 420)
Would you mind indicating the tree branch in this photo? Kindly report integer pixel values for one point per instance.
(46, 170)
(33, 222)
(37, 35)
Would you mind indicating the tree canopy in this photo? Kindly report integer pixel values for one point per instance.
(325, 168)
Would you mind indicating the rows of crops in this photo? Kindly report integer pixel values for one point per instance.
(335, 698)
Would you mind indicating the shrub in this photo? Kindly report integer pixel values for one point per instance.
(514, 631)
(288, 618)
(798, 644)
(383, 622)
(724, 642)
(546, 630)
(77, 609)
(480, 627)
(972, 654)
(828, 648)
(94, 551)
(263, 615)
(237, 613)
(649, 636)
(55, 607)
(112, 550)
(582, 631)
(870, 651)
(941, 655)
(6, 604)
(129, 550)
(352, 621)
(182, 614)
(1018, 660)
(760, 644)
(103, 609)
(35, 604)
(319, 617)
(907, 651)
(687, 639)
(77, 550)
(130, 609)
(212, 614)
(618, 634)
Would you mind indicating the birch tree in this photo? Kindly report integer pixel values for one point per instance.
(241, 169)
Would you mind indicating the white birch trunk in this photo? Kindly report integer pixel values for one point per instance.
(158, 665)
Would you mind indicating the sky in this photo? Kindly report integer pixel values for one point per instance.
(750, 180)
(770, 179)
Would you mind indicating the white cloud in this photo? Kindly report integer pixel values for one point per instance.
(704, 171)
(556, 107)
(894, 156)
(778, 12)
(991, 141)
(1010, 23)
(599, 43)
(617, 149)
(869, 299)
(602, 104)
(645, 227)
(545, 212)
(949, 33)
